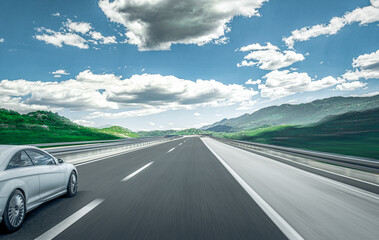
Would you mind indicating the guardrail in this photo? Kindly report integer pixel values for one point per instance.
(364, 164)
(72, 153)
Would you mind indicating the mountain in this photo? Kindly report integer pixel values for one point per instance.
(288, 114)
(119, 132)
(353, 133)
(44, 127)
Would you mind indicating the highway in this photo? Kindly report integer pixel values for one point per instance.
(199, 188)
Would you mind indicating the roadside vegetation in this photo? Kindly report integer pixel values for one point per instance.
(48, 127)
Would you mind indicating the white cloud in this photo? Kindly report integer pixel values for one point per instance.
(362, 16)
(366, 66)
(103, 40)
(139, 95)
(246, 105)
(284, 83)
(57, 14)
(251, 82)
(367, 94)
(269, 57)
(2, 40)
(375, 3)
(151, 26)
(245, 63)
(61, 72)
(257, 46)
(84, 123)
(60, 38)
(80, 27)
(349, 86)
(68, 35)
(152, 124)
(196, 114)
(221, 41)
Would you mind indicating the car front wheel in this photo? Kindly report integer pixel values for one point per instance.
(72, 186)
(15, 211)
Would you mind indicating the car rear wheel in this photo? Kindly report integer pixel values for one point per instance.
(15, 210)
(72, 186)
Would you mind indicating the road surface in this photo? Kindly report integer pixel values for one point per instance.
(194, 188)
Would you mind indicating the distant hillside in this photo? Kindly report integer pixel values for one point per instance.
(44, 127)
(288, 114)
(118, 131)
(156, 133)
(352, 133)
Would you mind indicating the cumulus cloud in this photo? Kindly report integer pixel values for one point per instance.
(251, 82)
(279, 84)
(257, 46)
(103, 40)
(2, 40)
(366, 66)
(155, 25)
(60, 38)
(196, 114)
(366, 15)
(269, 57)
(80, 27)
(61, 72)
(69, 35)
(139, 95)
(349, 86)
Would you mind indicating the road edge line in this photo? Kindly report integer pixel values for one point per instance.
(271, 213)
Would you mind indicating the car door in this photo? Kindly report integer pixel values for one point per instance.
(51, 174)
(21, 167)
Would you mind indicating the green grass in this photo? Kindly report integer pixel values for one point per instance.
(44, 127)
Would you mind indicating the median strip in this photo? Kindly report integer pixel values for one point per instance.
(53, 232)
(136, 172)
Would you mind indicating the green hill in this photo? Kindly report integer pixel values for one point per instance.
(118, 131)
(353, 133)
(288, 114)
(156, 133)
(44, 127)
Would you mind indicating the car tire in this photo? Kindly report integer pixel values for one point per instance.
(15, 211)
(72, 185)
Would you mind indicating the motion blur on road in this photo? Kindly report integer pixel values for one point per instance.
(200, 188)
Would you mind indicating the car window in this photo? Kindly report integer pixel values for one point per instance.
(40, 158)
(20, 159)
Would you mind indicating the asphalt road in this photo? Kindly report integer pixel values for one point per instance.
(185, 193)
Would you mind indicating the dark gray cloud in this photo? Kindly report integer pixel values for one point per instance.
(156, 24)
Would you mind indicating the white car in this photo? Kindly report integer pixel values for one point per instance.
(29, 177)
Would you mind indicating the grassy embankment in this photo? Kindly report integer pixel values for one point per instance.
(48, 127)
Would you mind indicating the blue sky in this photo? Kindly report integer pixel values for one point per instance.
(166, 64)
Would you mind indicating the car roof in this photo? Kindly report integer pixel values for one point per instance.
(7, 151)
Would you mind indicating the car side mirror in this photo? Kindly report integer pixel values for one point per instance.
(60, 160)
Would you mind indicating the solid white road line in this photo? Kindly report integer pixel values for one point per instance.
(136, 172)
(172, 149)
(271, 213)
(53, 232)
